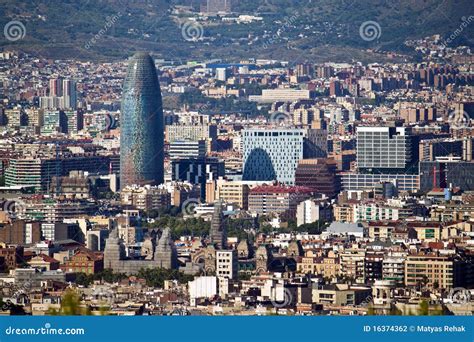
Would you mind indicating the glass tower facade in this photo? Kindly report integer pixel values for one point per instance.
(141, 137)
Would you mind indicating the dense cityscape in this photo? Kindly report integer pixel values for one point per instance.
(163, 186)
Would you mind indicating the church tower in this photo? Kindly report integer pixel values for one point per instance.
(165, 251)
(218, 232)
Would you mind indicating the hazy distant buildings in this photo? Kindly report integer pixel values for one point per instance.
(192, 132)
(145, 198)
(141, 138)
(62, 95)
(283, 94)
(14, 118)
(215, 6)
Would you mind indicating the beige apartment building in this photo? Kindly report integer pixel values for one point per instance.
(328, 267)
(234, 192)
(430, 270)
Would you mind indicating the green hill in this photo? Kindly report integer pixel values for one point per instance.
(294, 30)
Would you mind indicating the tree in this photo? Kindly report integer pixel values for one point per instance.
(109, 276)
(84, 279)
(70, 305)
(156, 277)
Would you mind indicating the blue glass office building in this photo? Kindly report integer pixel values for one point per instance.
(141, 122)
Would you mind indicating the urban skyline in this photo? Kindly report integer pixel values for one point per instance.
(138, 180)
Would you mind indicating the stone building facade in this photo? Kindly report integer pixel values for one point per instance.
(163, 255)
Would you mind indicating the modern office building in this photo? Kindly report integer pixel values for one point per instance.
(55, 87)
(367, 181)
(318, 174)
(62, 95)
(316, 143)
(73, 120)
(272, 154)
(39, 171)
(35, 117)
(14, 117)
(53, 211)
(55, 121)
(385, 150)
(197, 171)
(69, 94)
(384, 154)
(142, 137)
(446, 172)
(185, 149)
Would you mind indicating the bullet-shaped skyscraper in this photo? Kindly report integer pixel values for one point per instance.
(141, 122)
